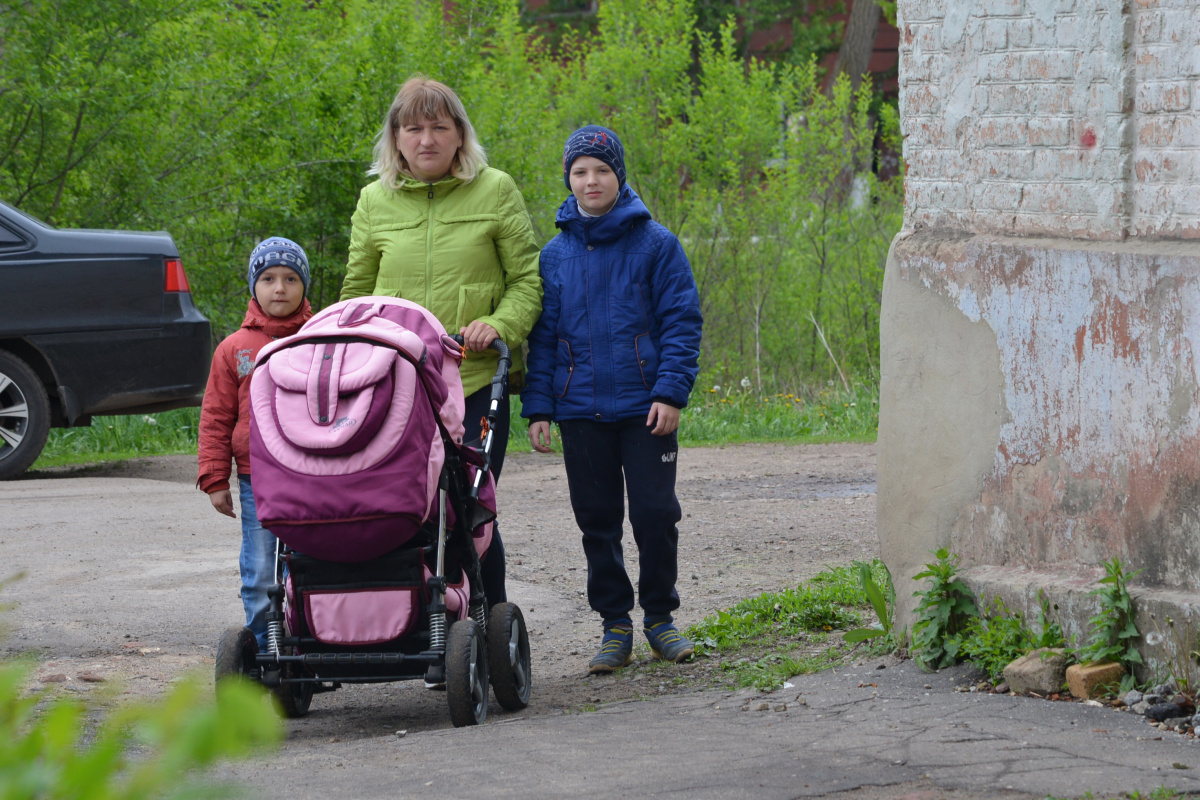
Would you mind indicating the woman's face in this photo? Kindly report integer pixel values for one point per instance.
(429, 146)
(594, 185)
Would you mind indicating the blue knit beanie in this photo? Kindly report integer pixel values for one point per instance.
(275, 251)
(597, 142)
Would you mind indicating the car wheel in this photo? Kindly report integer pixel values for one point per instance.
(24, 416)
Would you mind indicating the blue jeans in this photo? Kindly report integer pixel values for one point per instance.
(257, 564)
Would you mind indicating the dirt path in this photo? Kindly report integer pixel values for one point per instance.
(131, 576)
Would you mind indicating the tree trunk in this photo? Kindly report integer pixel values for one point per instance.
(858, 41)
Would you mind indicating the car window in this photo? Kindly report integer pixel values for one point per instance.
(9, 239)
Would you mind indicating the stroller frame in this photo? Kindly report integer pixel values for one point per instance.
(463, 656)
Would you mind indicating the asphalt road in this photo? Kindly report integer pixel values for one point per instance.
(128, 577)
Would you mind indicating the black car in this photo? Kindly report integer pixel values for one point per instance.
(91, 322)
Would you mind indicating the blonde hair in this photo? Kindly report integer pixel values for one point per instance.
(421, 98)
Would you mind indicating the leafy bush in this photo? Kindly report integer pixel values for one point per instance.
(166, 115)
(46, 751)
(945, 609)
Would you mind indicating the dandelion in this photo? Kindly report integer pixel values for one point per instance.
(1154, 639)
(716, 388)
(745, 383)
(149, 420)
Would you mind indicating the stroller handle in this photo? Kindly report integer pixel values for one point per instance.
(499, 385)
(505, 357)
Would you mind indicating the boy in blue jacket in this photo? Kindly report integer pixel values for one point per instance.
(612, 360)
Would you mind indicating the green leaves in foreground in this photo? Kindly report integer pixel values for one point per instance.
(45, 751)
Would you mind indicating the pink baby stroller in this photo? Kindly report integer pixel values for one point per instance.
(382, 514)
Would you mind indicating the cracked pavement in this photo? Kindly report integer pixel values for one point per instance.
(838, 734)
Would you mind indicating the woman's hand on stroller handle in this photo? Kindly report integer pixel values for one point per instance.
(478, 335)
(495, 343)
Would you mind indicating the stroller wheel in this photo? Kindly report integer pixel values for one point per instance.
(508, 656)
(294, 698)
(466, 674)
(236, 652)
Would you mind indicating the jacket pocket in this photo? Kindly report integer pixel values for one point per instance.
(647, 359)
(474, 301)
(564, 368)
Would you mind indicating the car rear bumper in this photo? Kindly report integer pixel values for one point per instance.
(128, 371)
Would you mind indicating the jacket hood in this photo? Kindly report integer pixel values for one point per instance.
(629, 209)
(276, 327)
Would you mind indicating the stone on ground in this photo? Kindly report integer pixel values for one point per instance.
(1086, 680)
(1040, 671)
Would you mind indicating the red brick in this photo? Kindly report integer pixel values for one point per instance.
(1050, 65)
(1001, 132)
(1166, 166)
(1167, 131)
(1165, 96)
(1147, 27)
(1049, 132)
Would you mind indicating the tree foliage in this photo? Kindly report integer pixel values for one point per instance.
(225, 122)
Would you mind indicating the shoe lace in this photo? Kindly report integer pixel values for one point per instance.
(665, 633)
(614, 639)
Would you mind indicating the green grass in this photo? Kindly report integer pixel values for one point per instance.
(713, 418)
(716, 416)
(122, 437)
(766, 639)
(720, 416)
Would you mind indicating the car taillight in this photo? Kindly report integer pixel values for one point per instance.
(174, 278)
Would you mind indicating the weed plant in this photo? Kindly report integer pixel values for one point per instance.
(1113, 629)
(945, 609)
(1177, 650)
(882, 634)
(998, 636)
(769, 627)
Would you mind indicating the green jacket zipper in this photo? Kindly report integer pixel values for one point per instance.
(429, 254)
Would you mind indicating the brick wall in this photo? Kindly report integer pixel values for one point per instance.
(1075, 118)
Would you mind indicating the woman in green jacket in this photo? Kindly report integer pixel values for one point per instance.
(443, 229)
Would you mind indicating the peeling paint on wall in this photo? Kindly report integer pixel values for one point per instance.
(1099, 454)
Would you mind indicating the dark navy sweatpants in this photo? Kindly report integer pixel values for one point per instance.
(605, 461)
(492, 565)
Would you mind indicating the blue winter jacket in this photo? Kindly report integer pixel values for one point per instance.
(620, 324)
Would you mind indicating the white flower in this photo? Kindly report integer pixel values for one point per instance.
(1154, 638)
(745, 383)
(149, 420)
(716, 387)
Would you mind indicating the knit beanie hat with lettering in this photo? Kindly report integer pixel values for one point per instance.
(597, 142)
(276, 251)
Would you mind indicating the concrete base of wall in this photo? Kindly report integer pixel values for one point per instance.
(1040, 414)
(1070, 605)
